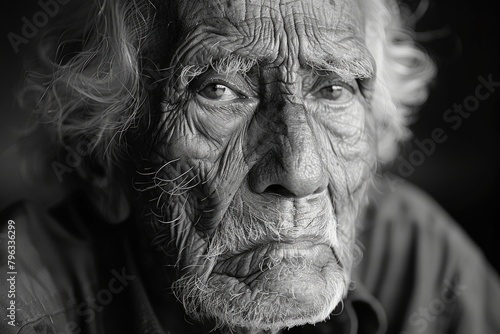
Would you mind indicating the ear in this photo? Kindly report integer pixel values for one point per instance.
(106, 190)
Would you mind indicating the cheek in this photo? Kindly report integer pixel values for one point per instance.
(348, 146)
(203, 133)
(183, 137)
(198, 163)
(223, 128)
(197, 167)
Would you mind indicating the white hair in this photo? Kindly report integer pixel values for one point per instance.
(99, 91)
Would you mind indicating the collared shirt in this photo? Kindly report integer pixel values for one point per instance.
(77, 274)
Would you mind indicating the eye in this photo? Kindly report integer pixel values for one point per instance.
(336, 93)
(218, 92)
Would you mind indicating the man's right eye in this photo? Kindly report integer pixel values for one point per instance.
(218, 92)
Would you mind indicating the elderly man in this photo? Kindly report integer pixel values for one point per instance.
(221, 159)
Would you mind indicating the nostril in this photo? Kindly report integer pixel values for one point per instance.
(278, 189)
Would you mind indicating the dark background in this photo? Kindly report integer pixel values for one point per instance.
(462, 174)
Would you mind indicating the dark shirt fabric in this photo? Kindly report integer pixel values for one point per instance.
(78, 274)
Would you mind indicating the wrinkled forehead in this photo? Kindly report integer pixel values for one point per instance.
(328, 14)
(293, 33)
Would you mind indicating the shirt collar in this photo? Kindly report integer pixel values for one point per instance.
(360, 313)
(370, 316)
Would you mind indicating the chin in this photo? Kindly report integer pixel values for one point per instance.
(256, 277)
(293, 292)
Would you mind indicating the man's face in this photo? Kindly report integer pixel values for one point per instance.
(262, 157)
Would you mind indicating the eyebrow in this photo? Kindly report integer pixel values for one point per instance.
(233, 64)
(226, 62)
(355, 68)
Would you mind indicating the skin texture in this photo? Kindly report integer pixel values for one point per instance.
(261, 158)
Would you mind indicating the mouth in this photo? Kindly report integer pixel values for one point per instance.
(249, 265)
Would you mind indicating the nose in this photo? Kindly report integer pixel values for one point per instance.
(292, 166)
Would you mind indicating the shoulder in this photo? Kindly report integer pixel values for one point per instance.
(405, 227)
(24, 297)
(405, 202)
(408, 218)
(417, 259)
(68, 265)
(36, 255)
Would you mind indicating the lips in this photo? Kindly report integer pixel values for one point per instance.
(252, 263)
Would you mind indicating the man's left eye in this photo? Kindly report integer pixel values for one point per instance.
(335, 93)
(218, 92)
